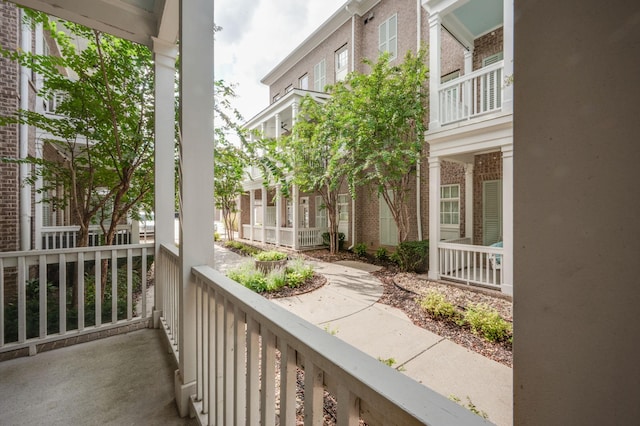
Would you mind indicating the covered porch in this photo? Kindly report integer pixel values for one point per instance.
(226, 341)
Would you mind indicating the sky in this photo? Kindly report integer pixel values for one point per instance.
(256, 36)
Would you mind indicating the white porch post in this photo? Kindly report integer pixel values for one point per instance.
(278, 213)
(434, 216)
(294, 114)
(507, 92)
(434, 70)
(468, 201)
(507, 219)
(196, 177)
(295, 205)
(264, 215)
(277, 119)
(164, 59)
(252, 212)
(468, 86)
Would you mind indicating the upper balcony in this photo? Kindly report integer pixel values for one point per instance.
(482, 89)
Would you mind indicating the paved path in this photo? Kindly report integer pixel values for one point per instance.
(347, 307)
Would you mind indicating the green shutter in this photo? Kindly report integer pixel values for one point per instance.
(492, 211)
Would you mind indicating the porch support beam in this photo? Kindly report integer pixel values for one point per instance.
(295, 206)
(468, 201)
(165, 60)
(434, 216)
(507, 219)
(435, 22)
(252, 213)
(507, 90)
(264, 215)
(196, 177)
(278, 213)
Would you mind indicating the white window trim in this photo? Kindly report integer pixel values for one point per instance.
(492, 59)
(342, 71)
(388, 42)
(320, 76)
(303, 79)
(449, 199)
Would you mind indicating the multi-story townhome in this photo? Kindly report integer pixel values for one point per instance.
(461, 194)
(358, 30)
(31, 220)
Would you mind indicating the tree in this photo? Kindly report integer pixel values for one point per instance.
(316, 157)
(103, 132)
(230, 160)
(382, 120)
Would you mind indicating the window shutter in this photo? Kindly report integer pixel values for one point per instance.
(388, 227)
(492, 96)
(321, 213)
(492, 211)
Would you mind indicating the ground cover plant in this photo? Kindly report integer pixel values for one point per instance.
(293, 275)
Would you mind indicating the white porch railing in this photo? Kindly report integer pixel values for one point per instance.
(307, 237)
(471, 264)
(59, 237)
(471, 95)
(241, 341)
(168, 267)
(36, 302)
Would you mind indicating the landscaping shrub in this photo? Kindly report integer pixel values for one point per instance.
(244, 249)
(413, 256)
(270, 256)
(436, 304)
(360, 249)
(487, 322)
(382, 254)
(298, 272)
(326, 239)
(292, 276)
(247, 275)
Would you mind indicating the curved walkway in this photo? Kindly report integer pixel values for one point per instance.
(347, 308)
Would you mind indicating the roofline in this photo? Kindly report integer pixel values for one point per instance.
(328, 27)
(282, 104)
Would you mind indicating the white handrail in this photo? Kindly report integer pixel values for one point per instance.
(239, 336)
(471, 264)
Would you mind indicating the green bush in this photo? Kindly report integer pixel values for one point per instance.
(326, 239)
(360, 249)
(298, 272)
(270, 256)
(216, 236)
(382, 254)
(413, 256)
(276, 278)
(436, 304)
(245, 249)
(247, 275)
(487, 322)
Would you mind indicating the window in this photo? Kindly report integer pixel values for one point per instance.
(343, 214)
(388, 227)
(303, 82)
(342, 63)
(492, 84)
(491, 212)
(450, 205)
(288, 88)
(388, 37)
(319, 76)
(321, 213)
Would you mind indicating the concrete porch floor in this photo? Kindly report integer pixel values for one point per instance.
(121, 380)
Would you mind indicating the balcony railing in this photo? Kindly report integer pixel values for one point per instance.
(253, 358)
(51, 295)
(307, 237)
(471, 264)
(471, 95)
(59, 237)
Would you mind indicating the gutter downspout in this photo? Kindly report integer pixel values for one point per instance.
(25, 190)
(418, 168)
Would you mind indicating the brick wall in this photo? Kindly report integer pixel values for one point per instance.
(486, 167)
(487, 45)
(9, 102)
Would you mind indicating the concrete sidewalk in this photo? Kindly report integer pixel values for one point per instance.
(347, 307)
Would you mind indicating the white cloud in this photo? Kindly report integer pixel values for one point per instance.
(256, 36)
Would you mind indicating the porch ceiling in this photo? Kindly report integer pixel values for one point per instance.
(137, 20)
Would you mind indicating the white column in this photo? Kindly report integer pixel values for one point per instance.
(294, 114)
(24, 168)
(278, 213)
(468, 85)
(252, 212)
(264, 215)
(295, 205)
(277, 119)
(507, 219)
(468, 201)
(507, 90)
(196, 176)
(434, 216)
(434, 70)
(164, 59)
